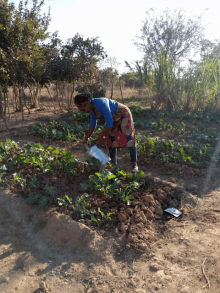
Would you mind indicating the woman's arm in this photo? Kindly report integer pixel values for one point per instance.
(104, 109)
(106, 132)
(89, 134)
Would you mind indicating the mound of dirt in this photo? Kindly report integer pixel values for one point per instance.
(54, 232)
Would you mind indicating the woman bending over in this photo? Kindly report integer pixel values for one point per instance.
(119, 129)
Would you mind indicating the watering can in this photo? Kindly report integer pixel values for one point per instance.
(97, 153)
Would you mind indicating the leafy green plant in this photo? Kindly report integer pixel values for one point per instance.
(82, 206)
(33, 198)
(64, 201)
(34, 183)
(105, 218)
(169, 151)
(44, 201)
(118, 185)
(50, 190)
(37, 198)
(80, 116)
(19, 179)
(3, 183)
(60, 130)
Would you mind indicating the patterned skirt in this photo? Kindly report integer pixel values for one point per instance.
(123, 131)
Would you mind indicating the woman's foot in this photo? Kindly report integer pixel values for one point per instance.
(111, 166)
(114, 165)
(134, 167)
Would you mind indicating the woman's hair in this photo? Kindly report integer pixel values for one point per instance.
(81, 98)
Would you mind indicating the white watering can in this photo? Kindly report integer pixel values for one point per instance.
(97, 153)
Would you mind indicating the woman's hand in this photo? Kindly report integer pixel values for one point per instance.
(87, 140)
(104, 140)
(103, 143)
(88, 137)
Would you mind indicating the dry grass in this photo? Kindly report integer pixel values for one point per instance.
(47, 105)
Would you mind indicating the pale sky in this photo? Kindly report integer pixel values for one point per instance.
(118, 22)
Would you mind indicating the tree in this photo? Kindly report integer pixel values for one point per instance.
(21, 31)
(173, 32)
(142, 72)
(210, 49)
(106, 75)
(111, 63)
(75, 63)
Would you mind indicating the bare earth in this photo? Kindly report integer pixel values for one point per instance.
(66, 256)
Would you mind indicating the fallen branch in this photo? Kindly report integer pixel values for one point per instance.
(205, 275)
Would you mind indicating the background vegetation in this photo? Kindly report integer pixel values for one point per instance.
(179, 69)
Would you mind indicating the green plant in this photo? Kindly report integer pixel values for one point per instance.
(33, 183)
(50, 190)
(60, 130)
(194, 154)
(82, 206)
(64, 201)
(105, 218)
(118, 185)
(37, 198)
(19, 179)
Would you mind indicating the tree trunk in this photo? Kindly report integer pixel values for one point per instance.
(121, 90)
(21, 102)
(54, 102)
(112, 87)
(35, 98)
(71, 96)
(2, 115)
(169, 104)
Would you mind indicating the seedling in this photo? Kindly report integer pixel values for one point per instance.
(19, 179)
(34, 183)
(65, 201)
(50, 190)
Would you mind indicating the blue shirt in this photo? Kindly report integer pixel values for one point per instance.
(106, 108)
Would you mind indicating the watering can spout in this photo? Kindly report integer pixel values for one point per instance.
(87, 147)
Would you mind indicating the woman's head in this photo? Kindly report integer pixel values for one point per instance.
(83, 102)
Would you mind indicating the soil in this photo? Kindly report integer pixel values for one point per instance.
(50, 250)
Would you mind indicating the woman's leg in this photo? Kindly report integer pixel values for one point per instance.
(113, 155)
(133, 156)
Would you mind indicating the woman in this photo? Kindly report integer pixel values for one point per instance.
(119, 127)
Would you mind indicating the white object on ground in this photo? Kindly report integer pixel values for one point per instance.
(174, 212)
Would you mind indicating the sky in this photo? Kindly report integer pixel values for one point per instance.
(117, 23)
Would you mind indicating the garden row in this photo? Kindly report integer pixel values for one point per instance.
(195, 154)
(197, 115)
(107, 199)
